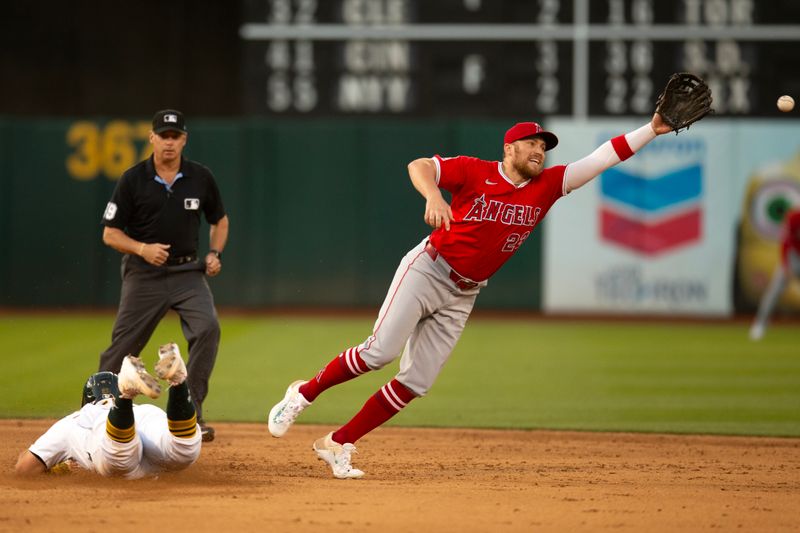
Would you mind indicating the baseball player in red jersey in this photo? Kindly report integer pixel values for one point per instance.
(495, 206)
(789, 265)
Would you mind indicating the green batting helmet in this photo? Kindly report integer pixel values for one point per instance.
(99, 386)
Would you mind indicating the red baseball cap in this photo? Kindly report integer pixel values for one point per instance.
(529, 129)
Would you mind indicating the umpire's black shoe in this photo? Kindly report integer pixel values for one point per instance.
(206, 432)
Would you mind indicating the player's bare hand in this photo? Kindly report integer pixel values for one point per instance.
(438, 213)
(659, 126)
(213, 264)
(155, 253)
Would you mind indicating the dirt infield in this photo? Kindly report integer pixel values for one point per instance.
(427, 480)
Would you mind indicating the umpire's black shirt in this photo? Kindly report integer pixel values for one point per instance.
(145, 208)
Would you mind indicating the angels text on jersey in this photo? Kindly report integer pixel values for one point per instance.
(508, 214)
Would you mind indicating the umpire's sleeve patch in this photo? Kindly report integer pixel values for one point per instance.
(111, 211)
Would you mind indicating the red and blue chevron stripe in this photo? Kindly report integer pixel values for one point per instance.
(652, 215)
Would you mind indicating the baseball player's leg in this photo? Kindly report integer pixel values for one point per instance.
(143, 303)
(417, 291)
(170, 440)
(181, 414)
(129, 434)
(427, 350)
(380, 407)
(410, 296)
(433, 341)
(397, 318)
(341, 368)
(119, 448)
(192, 299)
(300, 394)
(336, 448)
(768, 301)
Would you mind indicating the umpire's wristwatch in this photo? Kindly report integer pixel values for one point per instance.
(216, 252)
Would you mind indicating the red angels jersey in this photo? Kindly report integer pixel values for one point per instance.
(791, 239)
(493, 217)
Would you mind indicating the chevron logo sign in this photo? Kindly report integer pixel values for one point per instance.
(652, 215)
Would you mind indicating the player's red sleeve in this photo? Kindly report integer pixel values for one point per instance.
(557, 185)
(451, 172)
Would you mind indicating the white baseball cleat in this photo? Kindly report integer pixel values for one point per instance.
(338, 456)
(285, 412)
(170, 366)
(133, 380)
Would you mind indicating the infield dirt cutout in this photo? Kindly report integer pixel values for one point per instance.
(427, 480)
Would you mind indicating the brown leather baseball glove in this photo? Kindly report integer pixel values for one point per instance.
(685, 100)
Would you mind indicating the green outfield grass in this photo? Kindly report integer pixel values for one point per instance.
(504, 373)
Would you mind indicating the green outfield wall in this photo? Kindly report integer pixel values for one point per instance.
(321, 211)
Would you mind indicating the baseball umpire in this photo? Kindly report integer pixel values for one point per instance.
(153, 218)
(112, 436)
(495, 205)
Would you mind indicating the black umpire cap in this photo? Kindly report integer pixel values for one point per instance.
(168, 119)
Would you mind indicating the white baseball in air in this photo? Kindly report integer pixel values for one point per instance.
(785, 103)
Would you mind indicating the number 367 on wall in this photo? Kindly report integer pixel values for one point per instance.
(108, 150)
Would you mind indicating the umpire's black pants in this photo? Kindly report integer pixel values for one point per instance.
(147, 294)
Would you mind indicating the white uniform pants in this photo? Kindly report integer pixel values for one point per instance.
(153, 449)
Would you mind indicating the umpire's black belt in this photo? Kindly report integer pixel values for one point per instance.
(461, 282)
(182, 260)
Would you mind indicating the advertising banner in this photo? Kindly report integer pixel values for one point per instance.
(660, 233)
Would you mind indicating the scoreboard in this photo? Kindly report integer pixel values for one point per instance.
(469, 58)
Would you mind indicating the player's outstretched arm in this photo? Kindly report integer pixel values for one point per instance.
(423, 176)
(612, 152)
(29, 465)
(685, 100)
